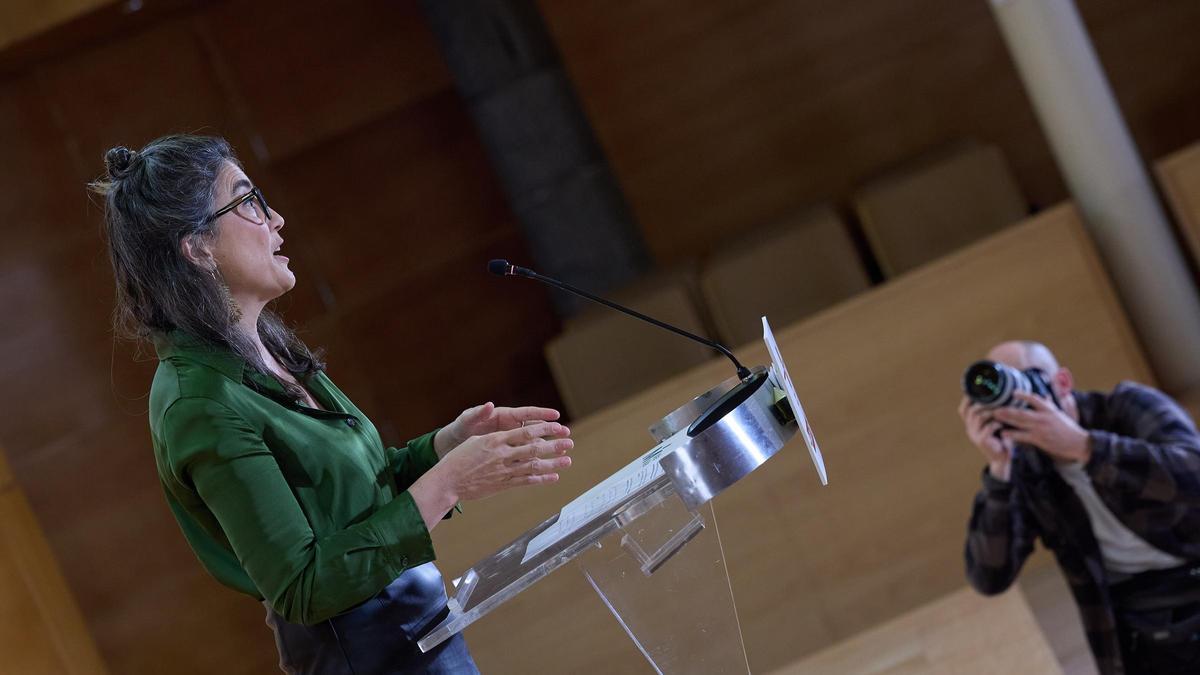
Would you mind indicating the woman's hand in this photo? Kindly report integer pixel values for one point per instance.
(483, 465)
(486, 419)
(528, 455)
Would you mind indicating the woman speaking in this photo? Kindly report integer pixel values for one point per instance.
(280, 484)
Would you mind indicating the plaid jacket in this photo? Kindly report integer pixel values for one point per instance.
(1145, 466)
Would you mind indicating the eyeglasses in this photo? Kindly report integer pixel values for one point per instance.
(252, 206)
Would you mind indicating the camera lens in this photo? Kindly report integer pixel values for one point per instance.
(992, 384)
(984, 383)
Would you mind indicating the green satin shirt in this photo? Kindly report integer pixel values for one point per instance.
(304, 508)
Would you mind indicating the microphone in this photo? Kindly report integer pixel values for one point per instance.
(503, 268)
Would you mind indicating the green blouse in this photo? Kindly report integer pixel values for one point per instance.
(304, 508)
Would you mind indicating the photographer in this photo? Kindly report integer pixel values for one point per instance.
(1110, 482)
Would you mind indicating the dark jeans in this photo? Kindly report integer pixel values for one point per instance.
(1158, 619)
(379, 636)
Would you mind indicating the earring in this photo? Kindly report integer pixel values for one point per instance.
(235, 312)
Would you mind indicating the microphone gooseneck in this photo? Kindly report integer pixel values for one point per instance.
(504, 268)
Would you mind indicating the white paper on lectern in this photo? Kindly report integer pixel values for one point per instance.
(604, 496)
(782, 377)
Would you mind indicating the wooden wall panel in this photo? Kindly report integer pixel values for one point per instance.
(53, 277)
(879, 376)
(1151, 69)
(23, 19)
(41, 628)
(148, 602)
(130, 91)
(305, 72)
(762, 108)
(765, 108)
(454, 336)
(26, 647)
(37, 213)
(399, 197)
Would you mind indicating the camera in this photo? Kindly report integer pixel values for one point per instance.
(992, 384)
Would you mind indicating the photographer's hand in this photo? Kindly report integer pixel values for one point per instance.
(982, 429)
(1045, 426)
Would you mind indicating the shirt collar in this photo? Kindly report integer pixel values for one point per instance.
(221, 359)
(192, 348)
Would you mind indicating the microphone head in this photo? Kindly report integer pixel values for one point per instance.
(500, 267)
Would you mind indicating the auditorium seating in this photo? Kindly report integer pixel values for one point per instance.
(933, 205)
(1179, 176)
(787, 271)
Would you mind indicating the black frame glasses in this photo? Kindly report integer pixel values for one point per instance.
(254, 193)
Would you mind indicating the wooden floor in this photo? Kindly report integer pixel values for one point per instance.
(962, 632)
(1050, 600)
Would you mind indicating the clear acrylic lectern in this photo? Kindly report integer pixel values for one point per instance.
(646, 538)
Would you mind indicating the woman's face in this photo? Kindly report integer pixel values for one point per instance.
(247, 242)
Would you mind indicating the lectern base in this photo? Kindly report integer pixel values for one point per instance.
(674, 601)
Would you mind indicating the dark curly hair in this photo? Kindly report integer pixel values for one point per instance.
(155, 199)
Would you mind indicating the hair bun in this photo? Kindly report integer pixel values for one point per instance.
(118, 161)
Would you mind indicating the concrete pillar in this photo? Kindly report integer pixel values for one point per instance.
(574, 216)
(1108, 179)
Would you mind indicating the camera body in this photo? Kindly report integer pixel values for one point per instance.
(992, 385)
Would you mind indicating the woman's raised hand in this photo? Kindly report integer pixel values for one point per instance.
(485, 464)
(526, 455)
(486, 419)
(489, 449)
